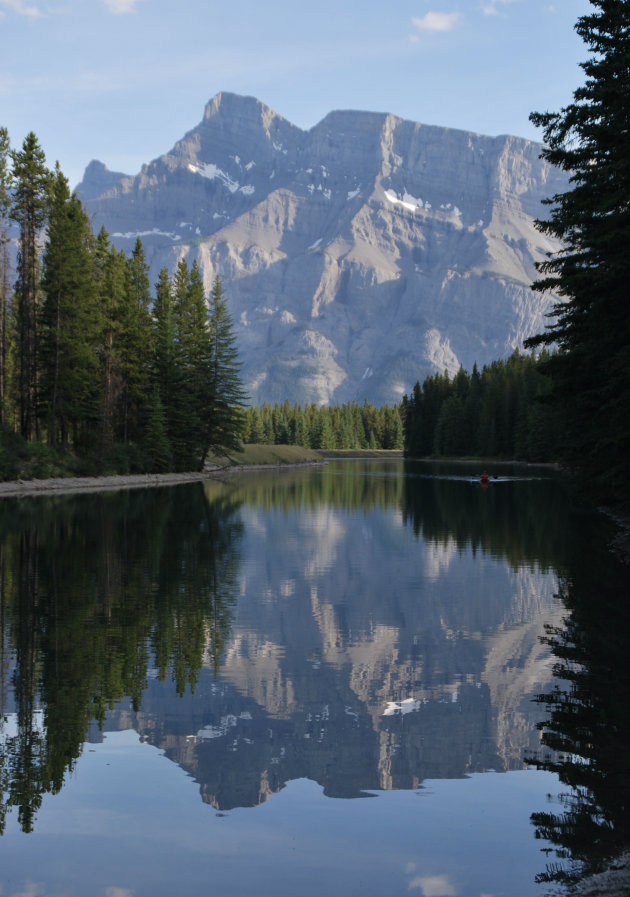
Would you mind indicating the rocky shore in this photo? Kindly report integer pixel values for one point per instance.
(69, 485)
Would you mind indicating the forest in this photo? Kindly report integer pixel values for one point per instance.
(97, 374)
(498, 412)
(347, 426)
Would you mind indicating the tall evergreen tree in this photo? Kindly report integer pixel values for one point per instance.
(68, 322)
(164, 337)
(227, 397)
(110, 276)
(136, 347)
(29, 210)
(166, 377)
(590, 138)
(5, 208)
(157, 448)
(194, 357)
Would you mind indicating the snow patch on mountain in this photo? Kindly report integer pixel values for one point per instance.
(211, 171)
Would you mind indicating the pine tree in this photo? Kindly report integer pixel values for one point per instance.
(157, 448)
(168, 375)
(29, 210)
(225, 412)
(194, 343)
(590, 138)
(110, 275)
(136, 349)
(68, 322)
(164, 338)
(5, 207)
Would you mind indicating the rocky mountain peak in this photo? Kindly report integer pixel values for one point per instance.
(359, 256)
(98, 180)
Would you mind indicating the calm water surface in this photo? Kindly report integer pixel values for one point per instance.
(313, 681)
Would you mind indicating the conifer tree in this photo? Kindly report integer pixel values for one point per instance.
(194, 352)
(110, 268)
(164, 336)
(68, 322)
(157, 448)
(256, 433)
(29, 210)
(167, 377)
(227, 397)
(590, 138)
(5, 207)
(136, 349)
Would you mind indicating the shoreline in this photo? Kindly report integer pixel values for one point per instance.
(115, 482)
(110, 483)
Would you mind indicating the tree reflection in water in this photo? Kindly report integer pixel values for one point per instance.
(152, 594)
(587, 730)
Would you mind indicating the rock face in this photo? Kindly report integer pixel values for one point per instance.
(358, 257)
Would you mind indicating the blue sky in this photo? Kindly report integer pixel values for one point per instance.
(122, 80)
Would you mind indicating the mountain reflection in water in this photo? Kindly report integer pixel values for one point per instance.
(363, 625)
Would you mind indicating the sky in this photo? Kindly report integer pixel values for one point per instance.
(122, 80)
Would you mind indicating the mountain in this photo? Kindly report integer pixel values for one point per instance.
(358, 256)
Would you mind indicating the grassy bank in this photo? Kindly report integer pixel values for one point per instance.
(361, 453)
(254, 455)
(258, 454)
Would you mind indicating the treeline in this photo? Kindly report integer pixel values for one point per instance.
(499, 412)
(348, 426)
(93, 365)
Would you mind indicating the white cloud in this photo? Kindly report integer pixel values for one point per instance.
(436, 21)
(492, 8)
(434, 886)
(121, 7)
(21, 7)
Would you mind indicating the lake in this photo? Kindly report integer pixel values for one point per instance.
(310, 681)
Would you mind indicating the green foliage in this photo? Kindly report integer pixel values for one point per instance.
(498, 413)
(227, 398)
(68, 322)
(590, 373)
(31, 194)
(197, 371)
(194, 360)
(136, 348)
(85, 362)
(6, 182)
(157, 449)
(348, 426)
(111, 285)
(12, 449)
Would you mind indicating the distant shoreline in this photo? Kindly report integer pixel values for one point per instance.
(275, 461)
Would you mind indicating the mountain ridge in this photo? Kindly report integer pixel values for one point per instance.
(359, 255)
